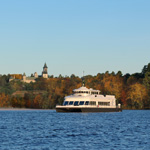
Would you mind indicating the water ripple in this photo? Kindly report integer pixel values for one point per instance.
(48, 130)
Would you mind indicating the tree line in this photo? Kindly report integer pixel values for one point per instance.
(132, 91)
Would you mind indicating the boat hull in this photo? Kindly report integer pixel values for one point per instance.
(88, 109)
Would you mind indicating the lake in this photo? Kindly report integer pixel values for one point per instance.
(48, 130)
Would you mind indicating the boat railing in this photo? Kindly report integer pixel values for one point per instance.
(95, 106)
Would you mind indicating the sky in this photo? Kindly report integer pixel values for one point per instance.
(73, 36)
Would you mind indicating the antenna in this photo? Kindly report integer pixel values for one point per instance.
(83, 82)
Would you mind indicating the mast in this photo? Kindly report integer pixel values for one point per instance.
(83, 81)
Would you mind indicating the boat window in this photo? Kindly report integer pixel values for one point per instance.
(65, 102)
(92, 103)
(95, 93)
(87, 103)
(104, 103)
(81, 103)
(71, 103)
(76, 103)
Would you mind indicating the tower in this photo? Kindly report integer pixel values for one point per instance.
(35, 75)
(24, 77)
(45, 73)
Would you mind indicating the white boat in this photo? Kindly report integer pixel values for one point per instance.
(88, 100)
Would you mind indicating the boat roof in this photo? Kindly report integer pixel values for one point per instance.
(89, 97)
(83, 88)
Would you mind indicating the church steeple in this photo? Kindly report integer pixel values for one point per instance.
(45, 66)
(45, 73)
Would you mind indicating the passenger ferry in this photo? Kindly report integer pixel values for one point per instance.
(88, 100)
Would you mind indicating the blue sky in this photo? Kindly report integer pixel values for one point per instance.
(74, 35)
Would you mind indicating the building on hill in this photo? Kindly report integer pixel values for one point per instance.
(29, 79)
(45, 73)
(32, 78)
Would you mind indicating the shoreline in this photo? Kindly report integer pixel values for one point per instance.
(22, 109)
(9, 109)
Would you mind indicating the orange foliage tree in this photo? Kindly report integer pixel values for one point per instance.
(4, 100)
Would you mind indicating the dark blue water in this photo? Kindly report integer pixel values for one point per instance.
(48, 130)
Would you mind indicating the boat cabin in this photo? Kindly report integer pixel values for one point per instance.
(89, 97)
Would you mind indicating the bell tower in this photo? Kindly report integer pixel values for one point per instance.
(45, 73)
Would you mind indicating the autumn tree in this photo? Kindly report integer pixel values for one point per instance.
(146, 80)
(4, 100)
(137, 95)
(113, 85)
(37, 102)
